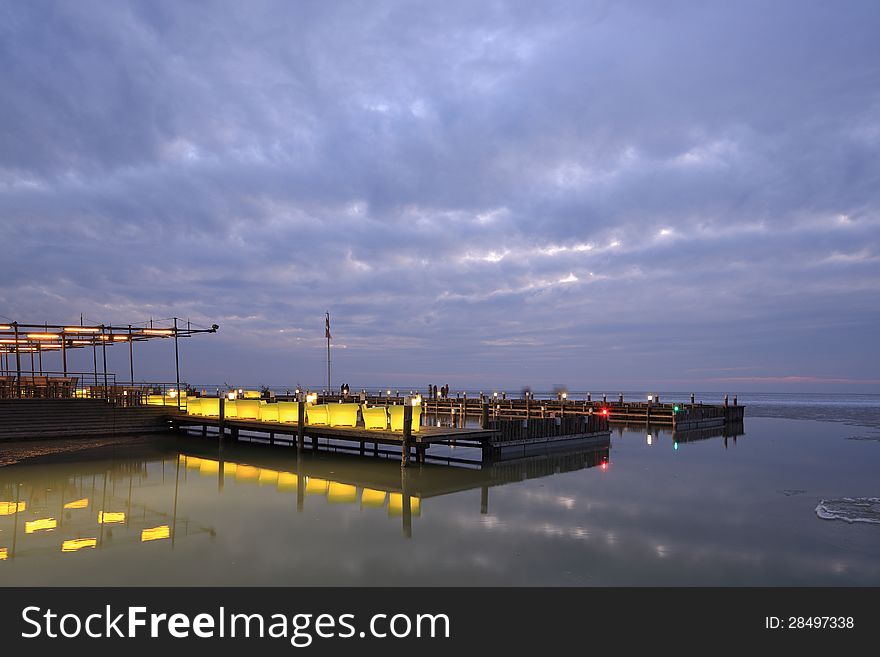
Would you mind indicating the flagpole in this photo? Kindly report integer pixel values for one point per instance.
(327, 333)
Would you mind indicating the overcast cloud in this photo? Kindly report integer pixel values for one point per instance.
(618, 195)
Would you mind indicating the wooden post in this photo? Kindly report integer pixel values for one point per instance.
(300, 482)
(406, 504)
(484, 416)
(301, 424)
(220, 422)
(407, 434)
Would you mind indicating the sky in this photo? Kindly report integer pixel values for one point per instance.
(599, 195)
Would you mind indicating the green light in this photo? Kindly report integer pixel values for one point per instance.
(675, 409)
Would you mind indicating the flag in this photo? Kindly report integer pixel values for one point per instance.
(327, 327)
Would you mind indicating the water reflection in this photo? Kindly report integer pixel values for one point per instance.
(105, 512)
(187, 513)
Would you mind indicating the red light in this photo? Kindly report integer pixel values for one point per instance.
(604, 465)
(604, 411)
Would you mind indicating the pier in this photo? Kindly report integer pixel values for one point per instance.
(496, 438)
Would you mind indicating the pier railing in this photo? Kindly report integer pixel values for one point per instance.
(43, 384)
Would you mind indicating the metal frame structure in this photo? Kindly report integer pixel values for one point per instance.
(35, 339)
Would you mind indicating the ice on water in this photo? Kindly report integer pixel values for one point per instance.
(850, 509)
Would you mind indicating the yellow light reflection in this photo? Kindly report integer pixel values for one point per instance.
(247, 473)
(341, 493)
(395, 505)
(109, 517)
(370, 497)
(155, 533)
(209, 467)
(4, 554)
(78, 504)
(229, 469)
(43, 524)
(315, 486)
(286, 481)
(8, 508)
(75, 544)
(268, 477)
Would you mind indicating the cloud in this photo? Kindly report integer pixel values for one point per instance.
(679, 184)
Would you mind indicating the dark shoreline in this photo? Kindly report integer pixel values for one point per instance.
(62, 449)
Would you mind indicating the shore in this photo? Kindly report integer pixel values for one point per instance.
(12, 453)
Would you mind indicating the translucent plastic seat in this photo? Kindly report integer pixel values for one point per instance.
(288, 411)
(209, 406)
(342, 415)
(396, 413)
(317, 414)
(376, 417)
(248, 409)
(269, 412)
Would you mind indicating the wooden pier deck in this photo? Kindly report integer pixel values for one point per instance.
(497, 439)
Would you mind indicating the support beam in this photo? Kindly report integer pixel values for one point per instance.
(407, 434)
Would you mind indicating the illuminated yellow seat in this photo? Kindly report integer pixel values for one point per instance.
(341, 493)
(396, 413)
(209, 406)
(248, 409)
(376, 417)
(269, 412)
(342, 415)
(395, 505)
(317, 414)
(288, 412)
(194, 407)
(250, 394)
(230, 409)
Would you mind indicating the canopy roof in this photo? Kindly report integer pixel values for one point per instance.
(23, 337)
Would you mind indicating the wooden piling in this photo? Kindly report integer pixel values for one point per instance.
(301, 425)
(222, 424)
(484, 416)
(407, 435)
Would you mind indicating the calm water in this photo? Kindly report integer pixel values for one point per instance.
(710, 511)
